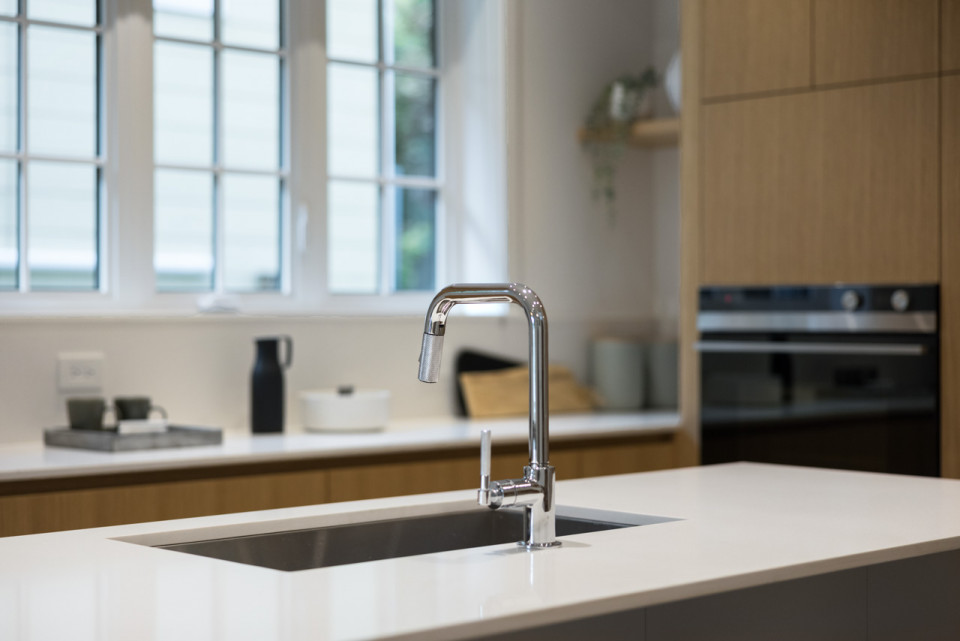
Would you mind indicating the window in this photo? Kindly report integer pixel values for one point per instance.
(50, 146)
(265, 156)
(383, 190)
(219, 178)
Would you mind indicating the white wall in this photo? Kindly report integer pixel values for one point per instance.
(586, 265)
(666, 182)
(593, 276)
(581, 263)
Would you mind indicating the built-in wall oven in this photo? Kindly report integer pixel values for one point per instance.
(842, 376)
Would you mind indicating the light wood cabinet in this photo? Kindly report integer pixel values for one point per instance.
(857, 40)
(950, 35)
(69, 509)
(950, 277)
(760, 186)
(821, 187)
(854, 178)
(65, 504)
(754, 46)
(604, 460)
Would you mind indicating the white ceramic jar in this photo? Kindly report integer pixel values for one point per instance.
(345, 409)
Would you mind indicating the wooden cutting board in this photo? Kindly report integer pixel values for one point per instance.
(506, 392)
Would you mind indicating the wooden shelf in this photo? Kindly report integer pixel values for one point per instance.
(655, 132)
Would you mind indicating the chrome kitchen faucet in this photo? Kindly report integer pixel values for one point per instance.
(535, 491)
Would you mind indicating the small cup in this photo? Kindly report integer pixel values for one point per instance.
(136, 408)
(87, 413)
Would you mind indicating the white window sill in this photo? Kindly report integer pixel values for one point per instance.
(91, 306)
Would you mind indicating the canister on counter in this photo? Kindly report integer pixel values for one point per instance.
(618, 372)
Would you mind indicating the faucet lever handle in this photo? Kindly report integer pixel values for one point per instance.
(484, 457)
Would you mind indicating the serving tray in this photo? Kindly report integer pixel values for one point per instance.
(112, 441)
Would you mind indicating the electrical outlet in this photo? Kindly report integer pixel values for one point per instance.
(80, 371)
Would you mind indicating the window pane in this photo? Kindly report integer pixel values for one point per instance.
(251, 206)
(353, 245)
(8, 224)
(416, 239)
(81, 12)
(250, 23)
(352, 30)
(8, 7)
(416, 125)
(251, 110)
(413, 34)
(352, 116)
(62, 226)
(183, 104)
(8, 86)
(62, 93)
(183, 230)
(190, 19)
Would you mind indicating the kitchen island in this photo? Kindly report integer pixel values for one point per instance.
(752, 549)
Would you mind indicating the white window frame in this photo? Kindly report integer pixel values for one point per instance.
(384, 179)
(24, 157)
(217, 170)
(471, 232)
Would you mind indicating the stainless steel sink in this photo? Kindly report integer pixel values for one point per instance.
(387, 539)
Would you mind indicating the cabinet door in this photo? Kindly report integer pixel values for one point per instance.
(137, 503)
(950, 275)
(879, 206)
(627, 458)
(754, 46)
(759, 189)
(822, 187)
(950, 35)
(870, 39)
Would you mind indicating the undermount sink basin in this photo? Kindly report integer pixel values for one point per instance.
(320, 547)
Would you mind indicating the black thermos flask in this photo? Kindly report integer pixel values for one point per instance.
(266, 384)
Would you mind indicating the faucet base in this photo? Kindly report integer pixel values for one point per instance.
(538, 546)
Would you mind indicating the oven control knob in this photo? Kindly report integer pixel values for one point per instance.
(850, 300)
(900, 300)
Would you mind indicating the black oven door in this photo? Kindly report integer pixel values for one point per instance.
(857, 402)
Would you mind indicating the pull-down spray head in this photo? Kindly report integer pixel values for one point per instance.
(430, 351)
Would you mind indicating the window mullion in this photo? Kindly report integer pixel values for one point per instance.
(217, 176)
(307, 151)
(127, 94)
(218, 213)
(218, 232)
(104, 265)
(387, 191)
(23, 275)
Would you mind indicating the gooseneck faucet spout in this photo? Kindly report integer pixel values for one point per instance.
(535, 491)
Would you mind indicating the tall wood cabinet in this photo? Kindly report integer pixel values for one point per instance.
(759, 46)
(858, 40)
(825, 186)
(776, 57)
(950, 35)
(950, 275)
(821, 144)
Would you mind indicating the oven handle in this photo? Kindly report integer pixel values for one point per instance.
(774, 347)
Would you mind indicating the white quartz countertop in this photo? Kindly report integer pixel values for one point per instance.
(739, 525)
(29, 461)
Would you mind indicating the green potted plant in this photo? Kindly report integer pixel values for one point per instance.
(607, 129)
